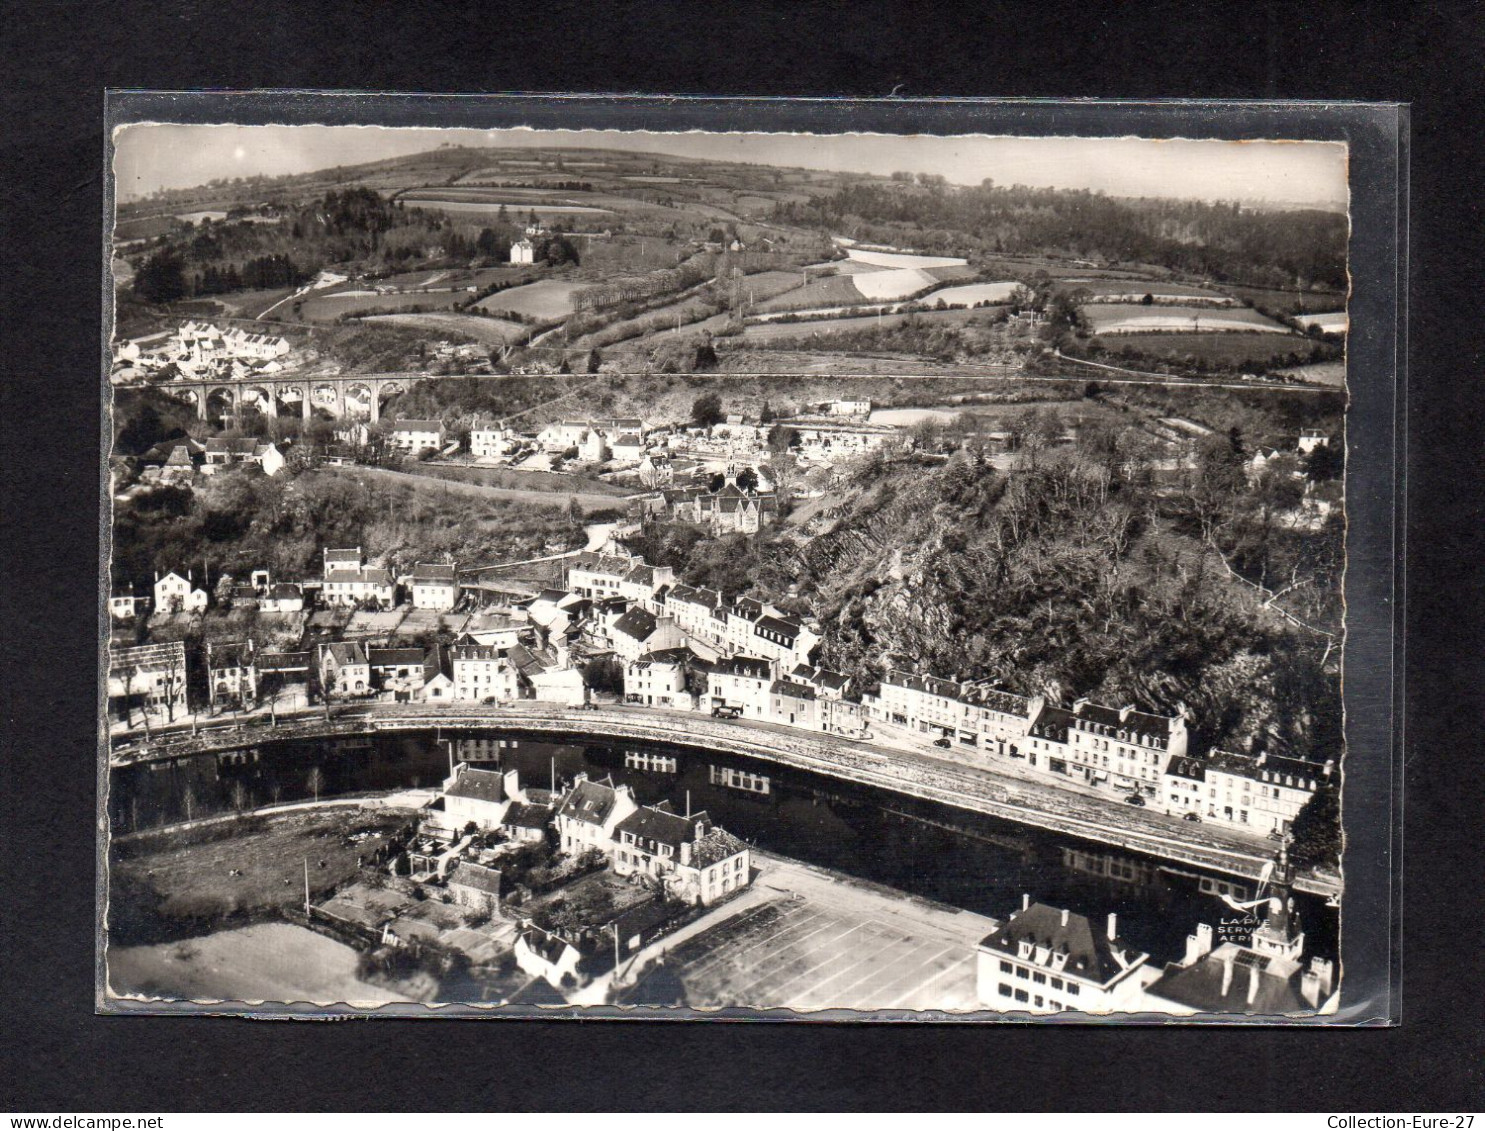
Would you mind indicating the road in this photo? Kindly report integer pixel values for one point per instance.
(962, 780)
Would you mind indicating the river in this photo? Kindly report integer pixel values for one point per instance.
(964, 859)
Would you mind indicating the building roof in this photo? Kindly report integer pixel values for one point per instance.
(748, 667)
(411, 425)
(477, 784)
(590, 802)
(657, 823)
(1192, 769)
(282, 661)
(791, 689)
(1052, 931)
(395, 657)
(464, 652)
(523, 815)
(346, 652)
(235, 655)
(350, 555)
(550, 948)
(638, 623)
(1052, 723)
(1273, 981)
(432, 574)
(285, 591)
(714, 847)
(232, 445)
(820, 677)
(1268, 767)
(480, 877)
(787, 628)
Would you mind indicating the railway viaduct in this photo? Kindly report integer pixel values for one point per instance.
(356, 394)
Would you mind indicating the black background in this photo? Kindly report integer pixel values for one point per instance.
(62, 1058)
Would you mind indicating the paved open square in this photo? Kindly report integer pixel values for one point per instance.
(819, 943)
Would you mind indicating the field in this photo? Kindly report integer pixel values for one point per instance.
(1109, 291)
(1234, 347)
(493, 207)
(901, 260)
(973, 293)
(329, 307)
(1322, 373)
(587, 500)
(784, 331)
(1133, 318)
(833, 290)
(191, 875)
(486, 331)
(265, 962)
(1288, 302)
(545, 301)
(547, 481)
(1335, 323)
(880, 286)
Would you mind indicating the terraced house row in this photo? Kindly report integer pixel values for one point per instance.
(1142, 755)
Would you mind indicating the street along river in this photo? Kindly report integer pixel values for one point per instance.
(980, 863)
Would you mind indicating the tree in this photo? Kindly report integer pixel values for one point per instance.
(706, 410)
(1325, 462)
(706, 358)
(1317, 831)
(747, 479)
(781, 438)
(316, 781)
(161, 278)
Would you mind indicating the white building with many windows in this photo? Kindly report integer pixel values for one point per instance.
(1049, 960)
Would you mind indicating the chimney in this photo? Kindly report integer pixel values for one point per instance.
(1124, 712)
(1252, 984)
(1025, 900)
(1262, 758)
(1226, 974)
(1113, 925)
(1199, 945)
(1064, 916)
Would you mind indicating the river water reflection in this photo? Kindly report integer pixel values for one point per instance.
(979, 863)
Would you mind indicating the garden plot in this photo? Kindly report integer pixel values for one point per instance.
(486, 331)
(1135, 318)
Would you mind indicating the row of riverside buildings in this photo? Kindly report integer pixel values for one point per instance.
(1117, 749)
(687, 648)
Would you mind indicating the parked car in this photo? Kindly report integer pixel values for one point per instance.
(726, 712)
(1135, 799)
(1190, 816)
(942, 743)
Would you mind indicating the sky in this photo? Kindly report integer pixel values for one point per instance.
(154, 156)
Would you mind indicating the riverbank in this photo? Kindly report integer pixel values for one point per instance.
(959, 779)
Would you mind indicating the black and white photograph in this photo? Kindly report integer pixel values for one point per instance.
(596, 572)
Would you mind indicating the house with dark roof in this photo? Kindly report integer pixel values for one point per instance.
(1264, 977)
(434, 586)
(793, 704)
(589, 814)
(345, 669)
(526, 821)
(283, 597)
(231, 674)
(475, 886)
(414, 436)
(546, 956)
(1260, 792)
(639, 631)
(658, 679)
(475, 795)
(1047, 959)
(697, 861)
(742, 683)
(1121, 748)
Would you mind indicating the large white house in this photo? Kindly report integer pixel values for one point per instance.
(177, 594)
(590, 813)
(434, 586)
(1049, 959)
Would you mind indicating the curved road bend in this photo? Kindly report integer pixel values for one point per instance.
(931, 777)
